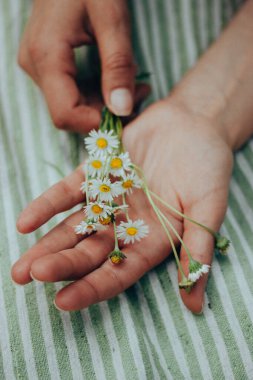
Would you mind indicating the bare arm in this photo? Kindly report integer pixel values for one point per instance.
(220, 86)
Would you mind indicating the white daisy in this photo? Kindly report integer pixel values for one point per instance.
(132, 231)
(97, 210)
(101, 143)
(118, 165)
(96, 165)
(87, 227)
(130, 181)
(83, 186)
(104, 189)
(196, 270)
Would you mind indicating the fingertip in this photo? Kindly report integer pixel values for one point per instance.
(25, 223)
(20, 274)
(65, 300)
(196, 306)
(20, 226)
(194, 300)
(57, 307)
(121, 101)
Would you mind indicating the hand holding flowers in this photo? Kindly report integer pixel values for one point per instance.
(171, 167)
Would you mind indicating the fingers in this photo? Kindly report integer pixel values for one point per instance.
(61, 237)
(74, 263)
(112, 31)
(55, 72)
(60, 197)
(109, 280)
(201, 244)
(46, 54)
(65, 103)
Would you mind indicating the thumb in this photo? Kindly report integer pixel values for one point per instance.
(110, 21)
(201, 246)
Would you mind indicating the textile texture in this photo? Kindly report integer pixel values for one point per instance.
(145, 332)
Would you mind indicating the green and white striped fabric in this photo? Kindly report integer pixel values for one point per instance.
(146, 332)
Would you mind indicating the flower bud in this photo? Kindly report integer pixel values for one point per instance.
(105, 221)
(186, 284)
(221, 244)
(116, 257)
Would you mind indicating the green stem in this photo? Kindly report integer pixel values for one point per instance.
(183, 215)
(124, 203)
(157, 211)
(213, 233)
(116, 248)
(177, 235)
(87, 186)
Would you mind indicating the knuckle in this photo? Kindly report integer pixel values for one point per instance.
(60, 120)
(34, 49)
(120, 62)
(93, 289)
(66, 189)
(23, 59)
(37, 50)
(110, 273)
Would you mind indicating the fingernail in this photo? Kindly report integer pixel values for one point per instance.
(35, 279)
(202, 309)
(121, 101)
(57, 307)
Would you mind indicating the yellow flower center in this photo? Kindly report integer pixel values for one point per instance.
(96, 209)
(101, 143)
(104, 188)
(116, 259)
(105, 221)
(131, 231)
(90, 227)
(127, 184)
(116, 163)
(96, 164)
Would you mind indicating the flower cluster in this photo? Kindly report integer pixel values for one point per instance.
(110, 176)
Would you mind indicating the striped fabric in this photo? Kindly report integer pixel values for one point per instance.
(146, 332)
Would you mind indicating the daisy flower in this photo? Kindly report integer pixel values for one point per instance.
(116, 257)
(196, 270)
(132, 231)
(97, 210)
(95, 165)
(106, 221)
(119, 164)
(104, 189)
(129, 182)
(115, 209)
(87, 227)
(221, 244)
(101, 143)
(83, 186)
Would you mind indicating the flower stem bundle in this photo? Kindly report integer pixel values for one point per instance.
(110, 176)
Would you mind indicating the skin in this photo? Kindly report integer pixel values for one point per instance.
(54, 29)
(187, 160)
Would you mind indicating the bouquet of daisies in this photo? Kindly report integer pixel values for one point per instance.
(110, 175)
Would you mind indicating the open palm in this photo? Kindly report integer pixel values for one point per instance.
(186, 163)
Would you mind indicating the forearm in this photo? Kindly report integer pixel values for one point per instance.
(220, 86)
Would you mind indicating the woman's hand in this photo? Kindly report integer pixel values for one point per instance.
(186, 162)
(54, 29)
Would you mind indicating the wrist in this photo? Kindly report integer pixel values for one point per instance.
(220, 87)
(211, 120)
